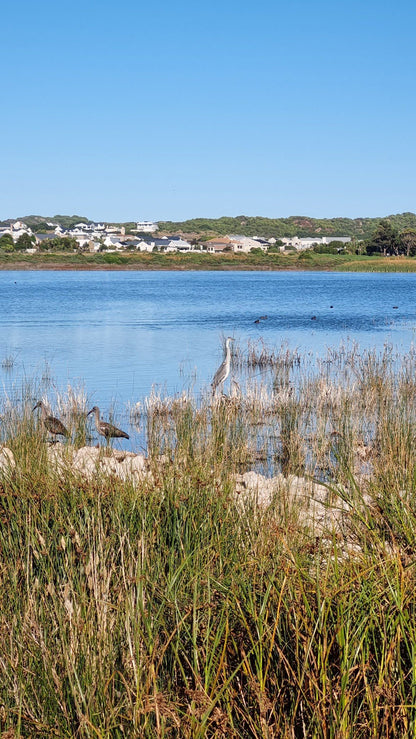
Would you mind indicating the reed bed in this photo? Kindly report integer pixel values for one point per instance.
(164, 609)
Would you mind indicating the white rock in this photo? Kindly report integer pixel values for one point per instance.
(316, 507)
(136, 466)
(60, 456)
(252, 487)
(93, 461)
(86, 461)
(7, 462)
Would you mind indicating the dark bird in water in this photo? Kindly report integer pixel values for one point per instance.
(224, 369)
(257, 320)
(313, 318)
(395, 307)
(51, 424)
(107, 429)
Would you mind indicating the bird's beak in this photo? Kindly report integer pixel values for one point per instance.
(89, 412)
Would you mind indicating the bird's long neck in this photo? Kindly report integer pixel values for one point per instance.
(227, 352)
(97, 418)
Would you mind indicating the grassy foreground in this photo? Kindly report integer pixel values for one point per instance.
(159, 261)
(167, 610)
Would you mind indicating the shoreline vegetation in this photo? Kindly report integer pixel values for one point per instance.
(178, 604)
(302, 261)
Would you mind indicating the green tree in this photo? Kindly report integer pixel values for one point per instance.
(42, 227)
(408, 239)
(334, 247)
(384, 240)
(59, 243)
(24, 242)
(6, 243)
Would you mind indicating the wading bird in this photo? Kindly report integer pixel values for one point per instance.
(224, 369)
(51, 424)
(106, 429)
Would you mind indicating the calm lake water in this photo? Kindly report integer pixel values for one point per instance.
(118, 334)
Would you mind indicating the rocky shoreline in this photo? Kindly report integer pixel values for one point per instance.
(321, 511)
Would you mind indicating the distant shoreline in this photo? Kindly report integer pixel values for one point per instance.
(299, 262)
(22, 267)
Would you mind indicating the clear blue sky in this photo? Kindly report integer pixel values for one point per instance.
(171, 110)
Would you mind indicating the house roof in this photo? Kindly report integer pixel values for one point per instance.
(220, 240)
(45, 236)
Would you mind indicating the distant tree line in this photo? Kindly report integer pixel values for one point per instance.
(24, 242)
(333, 247)
(388, 241)
(302, 226)
(201, 229)
(59, 243)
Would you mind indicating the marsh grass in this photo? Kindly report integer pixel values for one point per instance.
(165, 610)
(8, 362)
(203, 261)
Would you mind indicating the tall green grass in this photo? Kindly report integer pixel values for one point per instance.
(166, 609)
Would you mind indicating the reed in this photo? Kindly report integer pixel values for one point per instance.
(168, 609)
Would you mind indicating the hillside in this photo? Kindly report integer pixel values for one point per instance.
(301, 226)
(41, 223)
(205, 228)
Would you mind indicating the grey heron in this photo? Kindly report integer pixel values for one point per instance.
(224, 369)
(106, 429)
(51, 424)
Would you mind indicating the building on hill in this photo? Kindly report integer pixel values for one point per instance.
(216, 246)
(142, 245)
(83, 227)
(236, 243)
(146, 227)
(20, 226)
(264, 242)
(176, 243)
(16, 229)
(300, 244)
(113, 242)
(157, 244)
(244, 244)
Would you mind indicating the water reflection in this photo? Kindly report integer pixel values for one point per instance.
(116, 335)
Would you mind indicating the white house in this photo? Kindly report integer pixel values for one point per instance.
(178, 244)
(20, 226)
(113, 242)
(145, 245)
(307, 243)
(16, 229)
(215, 246)
(146, 227)
(82, 239)
(245, 244)
(77, 231)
